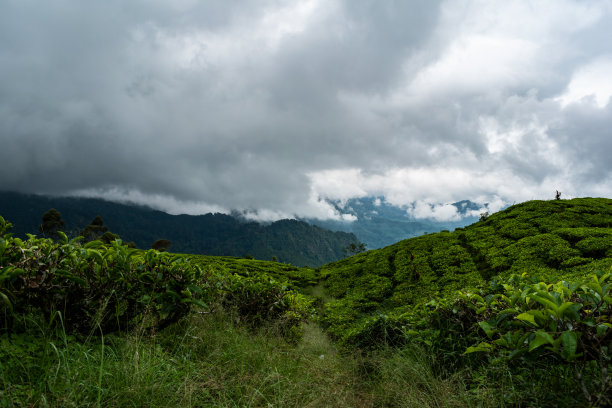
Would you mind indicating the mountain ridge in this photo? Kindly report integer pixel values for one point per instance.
(291, 241)
(379, 224)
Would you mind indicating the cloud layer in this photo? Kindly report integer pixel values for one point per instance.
(269, 107)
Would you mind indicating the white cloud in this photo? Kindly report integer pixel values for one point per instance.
(437, 212)
(591, 83)
(167, 203)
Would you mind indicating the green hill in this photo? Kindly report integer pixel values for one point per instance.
(548, 239)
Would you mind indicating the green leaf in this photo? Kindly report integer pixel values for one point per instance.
(96, 255)
(589, 322)
(537, 342)
(540, 339)
(516, 353)
(563, 307)
(572, 312)
(6, 301)
(194, 288)
(487, 328)
(596, 287)
(93, 244)
(552, 296)
(547, 336)
(482, 347)
(173, 294)
(63, 237)
(545, 302)
(569, 340)
(527, 317)
(602, 328)
(198, 302)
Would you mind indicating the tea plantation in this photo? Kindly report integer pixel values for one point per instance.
(514, 310)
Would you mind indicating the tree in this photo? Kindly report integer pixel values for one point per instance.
(355, 248)
(161, 245)
(557, 195)
(94, 230)
(108, 237)
(52, 222)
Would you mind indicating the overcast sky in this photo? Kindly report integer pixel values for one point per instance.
(272, 106)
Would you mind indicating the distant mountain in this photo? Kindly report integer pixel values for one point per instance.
(295, 242)
(379, 224)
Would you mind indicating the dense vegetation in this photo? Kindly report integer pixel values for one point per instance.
(424, 290)
(290, 241)
(550, 240)
(511, 311)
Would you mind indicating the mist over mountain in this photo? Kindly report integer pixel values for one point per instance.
(292, 241)
(378, 223)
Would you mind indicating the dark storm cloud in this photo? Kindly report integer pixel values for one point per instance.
(268, 106)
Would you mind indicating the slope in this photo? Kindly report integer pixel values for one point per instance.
(548, 239)
(289, 241)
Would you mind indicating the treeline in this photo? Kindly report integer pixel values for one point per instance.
(289, 241)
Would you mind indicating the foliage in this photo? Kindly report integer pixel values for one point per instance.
(512, 305)
(567, 322)
(52, 222)
(94, 230)
(293, 277)
(406, 294)
(355, 248)
(295, 242)
(260, 301)
(96, 286)
(114, 287)
(161, 245)
(550, 239)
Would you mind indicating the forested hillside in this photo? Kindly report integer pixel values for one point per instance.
(290, 241)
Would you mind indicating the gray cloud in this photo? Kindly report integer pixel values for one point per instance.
(269, 106)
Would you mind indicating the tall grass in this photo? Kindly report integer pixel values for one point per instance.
(207, 361)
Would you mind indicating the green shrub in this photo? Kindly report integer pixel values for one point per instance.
(595, 247)
(95, 286)
(259, 301)
(563, 323)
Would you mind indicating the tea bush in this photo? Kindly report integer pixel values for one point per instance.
(260, 300)
(95, 286)
(107, 288)
(563, 323)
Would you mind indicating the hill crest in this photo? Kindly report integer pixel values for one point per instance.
(291, 241)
